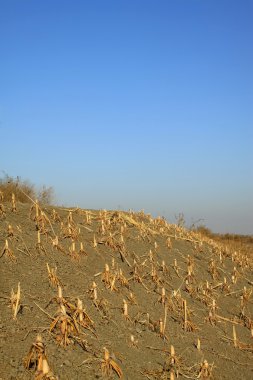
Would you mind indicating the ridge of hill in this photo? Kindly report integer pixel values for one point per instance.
(112, 294)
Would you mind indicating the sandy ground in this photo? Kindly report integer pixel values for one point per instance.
(198, 305)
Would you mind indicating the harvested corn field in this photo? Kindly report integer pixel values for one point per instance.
(90, 294)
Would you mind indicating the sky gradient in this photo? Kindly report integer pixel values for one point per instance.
(134, 104)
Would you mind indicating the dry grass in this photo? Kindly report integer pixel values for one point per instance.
(23, 191)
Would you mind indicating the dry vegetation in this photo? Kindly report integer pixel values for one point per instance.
(23, 191)
(232, 241)
(109, 294)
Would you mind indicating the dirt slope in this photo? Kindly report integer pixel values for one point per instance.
(147, 287)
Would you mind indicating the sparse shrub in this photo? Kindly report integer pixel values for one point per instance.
(45, 195)
(203, 230)
(24, 191)
(180, 219)
(10, 185)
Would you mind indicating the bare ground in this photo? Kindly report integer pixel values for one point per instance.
(197, 314)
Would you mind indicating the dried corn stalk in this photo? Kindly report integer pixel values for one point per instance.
(53, 278)
(10, 232)
(39, 246)
(82, 250)
(2, 210)
(36, 358)
(82, 318)
(93, 292)
(108, 278)
(205, 371)
(60, 300)
(172, 363)
(108, 366)
(125, 310)
(122, 279)
(15, 301)
(7, 251)
(13, 203)
(133, 341)
(55, 216)
(56, 244)
(187, 324)
(73, 253)
(64, 326)
(176, 267)
(213, 312)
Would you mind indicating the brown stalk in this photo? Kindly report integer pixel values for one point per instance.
(93, 292)
(82, 250)
(56, 244)
(176, 267)
(162, 298)
(205, 371)
(73, 253)
(172, 363)
(10, 231)
(235, 337)
(95, 244)
(8, 252)
(108, 366)
(82, 318)
(168, 243)
(37, 359)
(53, 278)
(70, 217)
(63, 326)
(133, 341)
(13, 203)
(2, 210)
(164, 268)
(108, 278)
(125, 310)
(39, 246)
(55, 216)
(212, 317)
(88, 217)
(15, 301)
(187, 324)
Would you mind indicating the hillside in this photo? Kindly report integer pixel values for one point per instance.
(90, 294)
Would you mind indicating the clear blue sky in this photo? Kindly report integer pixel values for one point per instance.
(132, 103)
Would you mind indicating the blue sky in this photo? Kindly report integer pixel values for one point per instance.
(134, 104)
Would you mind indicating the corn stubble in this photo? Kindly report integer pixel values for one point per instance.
(52, 276)
(13, 203)
(69, 320)
(2, 211)
(37, 359)
(8, 252)
(63, 327)
(108, 365)
(15, 301)
(129, 274)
